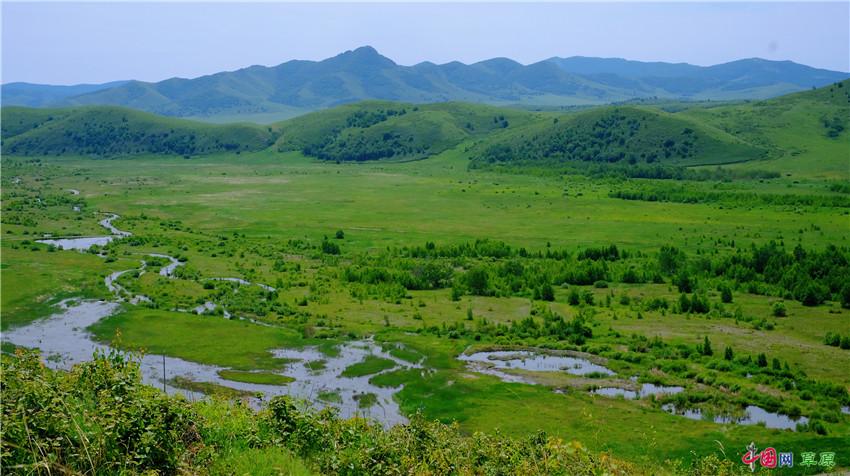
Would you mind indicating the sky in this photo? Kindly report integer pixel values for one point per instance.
(70, 43)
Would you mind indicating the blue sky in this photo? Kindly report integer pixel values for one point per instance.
(68, 43)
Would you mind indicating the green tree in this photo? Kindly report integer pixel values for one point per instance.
(478, 281)
(457, 292)
(670, 259)
(706, 347)
(574, 298)
(728, 354)
(684, 303)
(547, 293)
(330, 248)
(725, 293)
(845, 296)
(684, 282)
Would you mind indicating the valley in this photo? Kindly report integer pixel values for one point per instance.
(696, 310)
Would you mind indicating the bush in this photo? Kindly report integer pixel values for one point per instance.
(97, 418)
(574, 298)
(422, 447)
(725, 293)
(478, 281)
(330, 248)
(779, 309)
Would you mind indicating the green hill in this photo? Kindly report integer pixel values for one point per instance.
(106, 130)
(803, 133)
(615, 135)
(384, 130)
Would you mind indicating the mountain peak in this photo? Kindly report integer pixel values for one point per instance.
(365, 50)
(362, 56)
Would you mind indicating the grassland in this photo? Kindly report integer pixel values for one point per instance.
(263, 378)
(370, 365)
(436, 258)
(157, 331)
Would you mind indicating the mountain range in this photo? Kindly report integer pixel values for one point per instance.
(298, 86)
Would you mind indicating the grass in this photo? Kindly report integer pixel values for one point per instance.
(50, 277)
(370, 365)
(235, 344)
(370, 206)
(316, 365)
(262, 462)
(330, 396)
(209, 388)
(366, 400)
(263, 378)
(403, 353)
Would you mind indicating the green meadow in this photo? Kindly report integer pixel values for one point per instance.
(729, 284)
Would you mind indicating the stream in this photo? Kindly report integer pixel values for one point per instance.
(64, 341)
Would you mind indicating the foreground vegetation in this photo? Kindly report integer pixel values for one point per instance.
(99, 419)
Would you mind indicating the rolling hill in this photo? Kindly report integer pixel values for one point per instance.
(805, 133)
(106, 131)
(384, 130)
(621, 135)
(296, 87)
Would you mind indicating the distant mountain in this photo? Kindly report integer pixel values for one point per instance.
(42, 95)
(364, 74)
(752, 78)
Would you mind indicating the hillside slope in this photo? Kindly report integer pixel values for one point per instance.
(118, 131)
(615, 135)
(382, 130)
(805, 133)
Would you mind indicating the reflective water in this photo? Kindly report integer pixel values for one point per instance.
(79, 244)
(753, 415)
(643, 391)
(494, 362)
(243, 282)
(107, 223)
(168, 269)
(64, 341)
(84, 243)
(205, 308)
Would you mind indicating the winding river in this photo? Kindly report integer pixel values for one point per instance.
(64, 341)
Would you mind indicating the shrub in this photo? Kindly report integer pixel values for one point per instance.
(725, 293)
(330, 248)
(97, 418)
